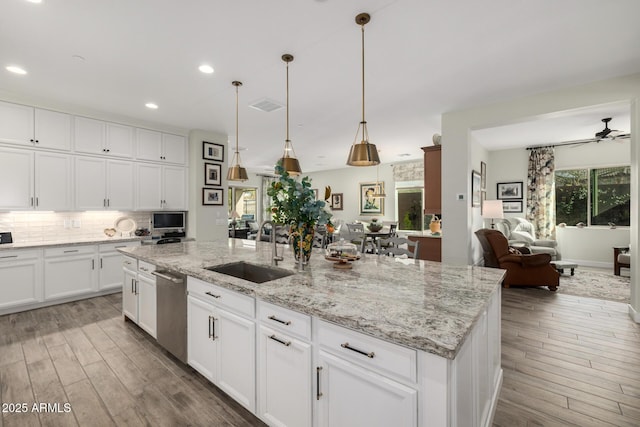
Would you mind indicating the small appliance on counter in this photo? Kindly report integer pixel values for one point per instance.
(5, 237)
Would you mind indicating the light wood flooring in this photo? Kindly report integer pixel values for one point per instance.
(566, 360)
(109, 370)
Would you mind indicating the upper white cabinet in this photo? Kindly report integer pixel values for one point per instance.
(98, 137)
(161, 187)
(28, 126)
(104, 184)
(35, 180)
(160, 147)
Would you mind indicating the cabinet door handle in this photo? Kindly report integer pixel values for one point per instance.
(32, 140)
(93, 264)
(370, 354)
(136, 287)
(212, 331)
(285, 343)
(318, 393)
(275, 319)
(132, 285)
(37, 141)
(31, 202)
(9, 256)
(100, 263)
(37, 202)
(108, 202)
(70, 251)
(104, 203)
(212, 295)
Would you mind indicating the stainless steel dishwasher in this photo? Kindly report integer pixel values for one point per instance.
(171, 300)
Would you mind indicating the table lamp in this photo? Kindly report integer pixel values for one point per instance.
(234, 223)
(492, 209)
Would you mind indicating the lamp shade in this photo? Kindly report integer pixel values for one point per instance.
(492, 209)
(237, 173)
(363, 154)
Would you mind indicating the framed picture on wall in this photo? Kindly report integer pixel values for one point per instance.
(370, 205)
(483, 176)
(475, 189)
(513, 206)
(483, 197)
(213, 196)
(509, 190)
(336, 201)
(212, 174)
(212, 151)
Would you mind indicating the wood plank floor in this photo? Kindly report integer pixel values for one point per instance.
(109, 371)
(566, 360)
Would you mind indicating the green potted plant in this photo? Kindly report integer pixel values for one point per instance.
(294, 203)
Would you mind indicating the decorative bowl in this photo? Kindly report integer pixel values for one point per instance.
(342, 253)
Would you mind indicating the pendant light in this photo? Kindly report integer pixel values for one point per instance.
(363, 153)
(288, 161)
(237, 172)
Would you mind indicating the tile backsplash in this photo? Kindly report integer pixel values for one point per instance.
(27, 227)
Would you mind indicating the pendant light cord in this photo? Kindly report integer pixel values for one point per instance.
(287, 101)
(363, 120)
(237, 114)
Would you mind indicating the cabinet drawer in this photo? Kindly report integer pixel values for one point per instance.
(129, 263)
(373, 353)
(222, 297)
(111, 247)
(13, 255)
(69, 250)
(145, 267)
(288, 321)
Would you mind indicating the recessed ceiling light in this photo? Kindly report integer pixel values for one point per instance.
(151, 105)
(15, 69)
(78, 57)
(404, 155)
(34, 1)
(207, 69)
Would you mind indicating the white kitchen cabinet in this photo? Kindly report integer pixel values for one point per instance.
(16, 123)
(147, 303)
(160, 147)
(161, 187)
(129, 290)
(222, 343)
(34, 127)
(98, 137)
(104, 184)
(21, 277)
(348, 394)
(16, 179)
(69, 271)
(284, 378)
(202, 344)
(110, 263)
(35, 180)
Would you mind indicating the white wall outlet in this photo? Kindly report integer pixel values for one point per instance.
(67, 223)
(76, 223)
(460, 196)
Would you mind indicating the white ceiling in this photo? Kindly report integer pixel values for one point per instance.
(423, 58)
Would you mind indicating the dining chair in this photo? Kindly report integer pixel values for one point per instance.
(396, 246)
(355, 234)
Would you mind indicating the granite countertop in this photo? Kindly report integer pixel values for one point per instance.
(419, 304)
(76, 242)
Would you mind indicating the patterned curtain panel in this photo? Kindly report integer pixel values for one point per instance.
(266, 200)
(541, 198)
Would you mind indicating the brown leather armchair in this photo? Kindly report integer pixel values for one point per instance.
(522, 269)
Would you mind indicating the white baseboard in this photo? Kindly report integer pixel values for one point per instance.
(635, 315)
(588, 263)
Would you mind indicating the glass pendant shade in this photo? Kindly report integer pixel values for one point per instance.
(363, 153)
(236, 172)
(288, 161)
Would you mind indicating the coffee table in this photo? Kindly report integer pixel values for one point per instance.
(560, 266)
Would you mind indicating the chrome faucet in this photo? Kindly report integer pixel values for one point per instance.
(274, 251)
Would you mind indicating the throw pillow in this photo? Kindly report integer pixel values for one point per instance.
(522, 236)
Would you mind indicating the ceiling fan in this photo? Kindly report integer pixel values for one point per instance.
(607, 133)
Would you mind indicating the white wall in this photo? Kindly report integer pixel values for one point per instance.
(347, 181)
(587, 246)
(206, 223)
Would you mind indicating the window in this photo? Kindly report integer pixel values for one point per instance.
(596, 196)
(243, 201)
(409, 202)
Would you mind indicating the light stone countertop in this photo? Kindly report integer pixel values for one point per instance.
(75, 242)
(419, 304)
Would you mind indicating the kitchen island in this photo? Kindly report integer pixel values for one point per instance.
(438, 328)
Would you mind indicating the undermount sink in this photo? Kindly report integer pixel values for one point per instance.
(251, 272)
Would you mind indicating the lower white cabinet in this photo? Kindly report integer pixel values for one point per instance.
(284, 379)
(110, 264)
(69, 271)
(147, 303)
(139, 294)
(20, 278)
(222, 344)
(349, 395)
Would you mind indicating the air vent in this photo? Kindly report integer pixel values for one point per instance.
(267, 105)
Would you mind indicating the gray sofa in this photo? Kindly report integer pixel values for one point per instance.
(520, 232)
